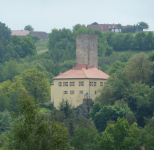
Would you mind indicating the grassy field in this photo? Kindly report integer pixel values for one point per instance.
(41, 46)
(134, 52)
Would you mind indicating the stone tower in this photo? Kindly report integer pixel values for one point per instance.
(86, 49)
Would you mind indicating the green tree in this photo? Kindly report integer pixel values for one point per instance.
(28, 46)
(31, 131)
(5, 120)
(115, 88)
(29, 28)
(34, 37)
(120, 136)
(142, 25)
(36, 84)
(117, 65)
(65, 107)
(108, 113)
(85, 139)
(11, 69)
(138, 68)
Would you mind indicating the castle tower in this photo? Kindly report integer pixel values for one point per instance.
(86, 49)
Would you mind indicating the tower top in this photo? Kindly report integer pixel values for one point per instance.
(86, 49)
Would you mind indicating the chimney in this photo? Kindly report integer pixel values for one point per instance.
(98, 67)
(86, 67)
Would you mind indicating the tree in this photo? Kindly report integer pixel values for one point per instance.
(36, 84)
(29, 28)
(119, 26)
(5, 34)
(34, 37)
(142, 25)
(28, 46)
(65, 107)
(117, 65)
(85, 139)
(138, 68)
(109, 51)
(31, 131)
(120, 136)
(108, 113)
(115, 88)
(11, 69)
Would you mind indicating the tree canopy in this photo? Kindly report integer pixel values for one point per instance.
(29, 28)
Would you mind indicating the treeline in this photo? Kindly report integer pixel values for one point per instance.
(129, 41)
(13, 46)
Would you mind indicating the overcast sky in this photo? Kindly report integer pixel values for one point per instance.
(45, 15)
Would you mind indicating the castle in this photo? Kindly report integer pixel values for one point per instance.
(84, 78)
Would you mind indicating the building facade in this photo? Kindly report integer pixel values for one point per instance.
(73, 84)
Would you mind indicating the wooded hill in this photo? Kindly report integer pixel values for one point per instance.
(122, 115)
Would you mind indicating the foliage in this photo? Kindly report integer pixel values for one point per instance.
(65, 107)
(29, 28)
(36, 84)
(138, 68)
(34, 37)
(114, 136)
(85, 139)
(31, 131)
(106, 113)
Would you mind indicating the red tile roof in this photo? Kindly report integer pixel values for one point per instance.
(102, 27)
(80, 71)
(20, 32)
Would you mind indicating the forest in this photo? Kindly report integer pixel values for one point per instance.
(122, 115)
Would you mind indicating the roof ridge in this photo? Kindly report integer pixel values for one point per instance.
(84, 73)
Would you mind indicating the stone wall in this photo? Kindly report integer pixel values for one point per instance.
(87, 49)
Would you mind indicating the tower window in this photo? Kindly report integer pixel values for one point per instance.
(94, 83)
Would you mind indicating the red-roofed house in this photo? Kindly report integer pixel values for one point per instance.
(84, 78)
(76, 82)
(20, 33)
(104, 27)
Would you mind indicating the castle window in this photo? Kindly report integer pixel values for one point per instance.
(65, 83)
(72, 84)
(59, 83)
(71, 92)
(65, 92)
(94, 83)
(80, 92)
(95, 92)
(101, 83)
(90, 83)
(81, 83)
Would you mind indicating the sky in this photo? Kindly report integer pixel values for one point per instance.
(45, 15)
